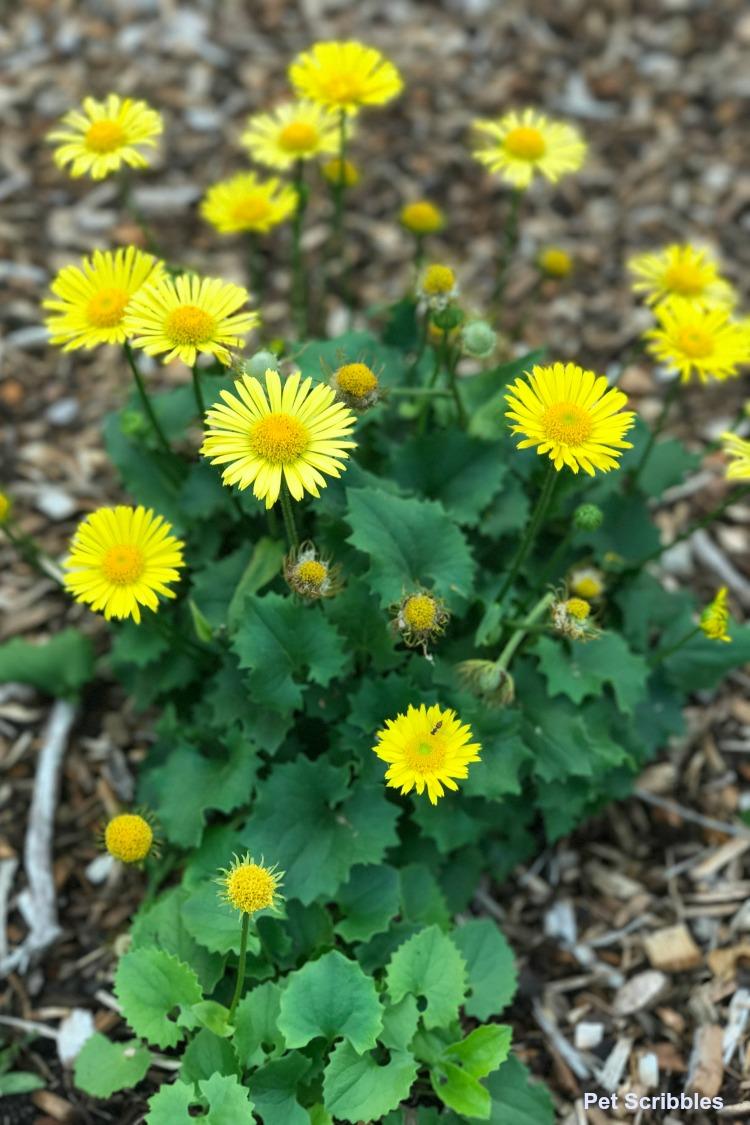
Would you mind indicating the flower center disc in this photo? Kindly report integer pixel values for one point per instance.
(696, 343)
(104, 136)
(684, 278)
(250, 888)
(568, 423)
(251, 210)
(342, 88)
(312, 572)
(298, 136)
(419, 612)
(106, 307)
(438, 279)
(356, 379)
(123, 565)
(189, 325)
(426, 756)
(128, 837)
(525, 142)
(279, 438)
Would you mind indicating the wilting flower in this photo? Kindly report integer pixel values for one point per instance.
(555, 262)
(521, 144)
(356, 385)
(572, 618)
(129, 837)
(699, 341)
(291, 132)
(266, 434)
(246, 203)
(100, 137)
(332, 172)
(437, 287)
(586, 582)
(90, 300)
(249, 886)
(121, 559)
(344, 76)
(739, 450)
(488, 681)
(188, 315)
(427, 748)
(422, 217)
(311, 575)
(681, 270)
(571, 415)
(715, 618)
(420, 618)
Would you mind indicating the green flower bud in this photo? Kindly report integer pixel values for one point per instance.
(259, 363)
(133, 424)
(478, 339)
(588, 517)
(448, 319)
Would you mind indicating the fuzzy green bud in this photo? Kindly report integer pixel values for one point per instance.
(478, 339)
(448, 319)
(259, 363)
(588, 517)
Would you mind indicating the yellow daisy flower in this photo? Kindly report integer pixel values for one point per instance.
(249, 886)
(572, 415)
(681, 270)
(520, 144)
(185, 315)
(247, 203)
(90, 300)
(422, 217)
(100, 137)
(699, 341)
(739, 450)
(426, 748)
(292, 132)
(344, 76)
(715, 618)
(268, 433)
(120, 559)
(555, 262)
(332, 172)
(128, 837)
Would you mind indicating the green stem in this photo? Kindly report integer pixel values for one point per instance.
(198, 392)
(288, 513)
(531, 532)
(663, 653)
(510, 242)
(453, 377)
(528, 625)
(418, 252)
(299, 281)
(240, 967)
(424, 329)
(696, 525)
(422, 419)
(669, 399)
(145, 400)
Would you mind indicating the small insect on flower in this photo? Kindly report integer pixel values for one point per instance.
(420, 618)
(586, 582)
(100, 137)
(187, 316)
(245, 203)
(572, 415)
(519, 145)
(696, 341)
(427, 748)
(555, 262)
(356, 385)
(437, 287)
(332, 172)
(121, 559)
(572, 618)
(715, 618)
(681, 270)
(90, 300)
(291, 132)
(344, 76)
(310, 575)
(249, 886)
(266, 433)
(129, 837)
(738, 450)
(422, 217)
(488, 681)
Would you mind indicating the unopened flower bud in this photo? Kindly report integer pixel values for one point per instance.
(261, 362)
(478, 339)
(588, 517)
(449, 318)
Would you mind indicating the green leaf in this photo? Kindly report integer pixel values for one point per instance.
(150, 984)
(509, 511)
(410, 543)
(264, 565)
(583, 669)
(330, 997)
(701, 664)
(485, 396)
(214, 923)
(317, 829)
(160, 923)
(491, 967)
(212, 585)
(356, 1088)
(222, 1097)
(460, 1091)
(59, 666)
(102, 1067)
(429, 965)
(399, 1023)
(516, 1099)
(482, 1050)
(318, 358)
(278, 639)
(668, 463)
(207, 1054)
(256, 1022)
(368, 900)
(20, 1082)
(422, 900)
(464, 474)
(274, 1087)
(213, 1016)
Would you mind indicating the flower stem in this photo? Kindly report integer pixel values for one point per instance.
(422, 419)
(528, 625)
(198, 392)
(288, 513)
(663, 653)
(240, 967)
(299, 281)
(669, 399)
(453, 377)
(145, 400)
(510, 242)
(531, 532)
